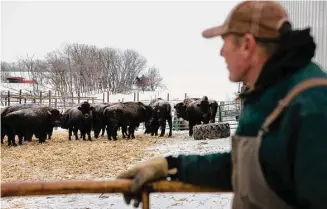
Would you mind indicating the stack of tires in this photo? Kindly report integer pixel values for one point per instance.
(211, 131)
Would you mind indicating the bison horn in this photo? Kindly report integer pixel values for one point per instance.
(49, 112)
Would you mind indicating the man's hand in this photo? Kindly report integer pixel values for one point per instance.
(152, 170)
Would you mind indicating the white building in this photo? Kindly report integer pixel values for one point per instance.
(311, 14)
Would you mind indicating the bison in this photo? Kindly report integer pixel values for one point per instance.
(78, 118)
(129, 114)
(13, 108)
(33, 120)
(161, 113)
(194, 111)
(98, 119)
(213, 105)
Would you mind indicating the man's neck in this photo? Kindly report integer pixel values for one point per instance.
(254, 72)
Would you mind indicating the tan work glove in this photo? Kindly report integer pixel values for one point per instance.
(154, 169)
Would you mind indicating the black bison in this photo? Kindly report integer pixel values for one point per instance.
(13, 108)
(194, 111)
(78, 118)
(98, 119)
(161, 113)
(8, 110)
(33, 120)
(129, 114)
(213, 106)
(104, 120)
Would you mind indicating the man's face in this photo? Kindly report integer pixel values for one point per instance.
(236, 57)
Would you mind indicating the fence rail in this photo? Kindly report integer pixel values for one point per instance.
(113, 186)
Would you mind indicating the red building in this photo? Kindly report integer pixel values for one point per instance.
(17, 79)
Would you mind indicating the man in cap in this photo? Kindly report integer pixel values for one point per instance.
(278, 157)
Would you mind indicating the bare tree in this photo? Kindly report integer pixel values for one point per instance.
(35, 69)
(155, 80)
(133, 65)
(58, 72)
(142, 82)
(5, 69)
(78, 68)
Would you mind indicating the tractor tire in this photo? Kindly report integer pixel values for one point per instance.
(211, 131)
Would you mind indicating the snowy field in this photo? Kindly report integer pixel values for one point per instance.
(179, 144)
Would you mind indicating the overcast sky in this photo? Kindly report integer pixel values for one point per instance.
(168, 34)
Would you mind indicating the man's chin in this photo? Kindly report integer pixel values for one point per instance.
(234, 79)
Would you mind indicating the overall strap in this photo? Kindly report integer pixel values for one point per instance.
(304, 85)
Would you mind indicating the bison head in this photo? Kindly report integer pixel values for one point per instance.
(85, 108)
(151, 126)
(55, 117)
(180, 110)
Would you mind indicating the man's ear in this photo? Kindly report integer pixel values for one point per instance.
(248, 45)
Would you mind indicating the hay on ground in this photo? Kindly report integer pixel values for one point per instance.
(61, 159)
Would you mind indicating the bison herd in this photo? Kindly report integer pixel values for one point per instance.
(26, 120)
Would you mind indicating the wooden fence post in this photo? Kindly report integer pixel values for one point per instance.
(40, 97)
(108, 96)
(49, 98)
(20, 96)
(103, 97)
(185, 95)
(167, 96)
(78, 97)
(8, 99)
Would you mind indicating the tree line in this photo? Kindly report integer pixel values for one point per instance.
(81, 68)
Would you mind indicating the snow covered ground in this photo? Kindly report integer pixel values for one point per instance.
(179, 144)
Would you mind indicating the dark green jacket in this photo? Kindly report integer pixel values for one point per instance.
(293, 154)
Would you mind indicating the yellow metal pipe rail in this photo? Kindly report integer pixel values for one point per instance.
(88, 186)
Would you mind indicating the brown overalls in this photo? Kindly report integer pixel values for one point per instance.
(251, 190)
